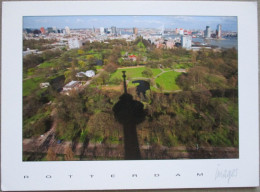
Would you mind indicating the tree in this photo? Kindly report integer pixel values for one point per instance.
(42, 125)
(51, 155)
(47, 55)
(74, 63)
(82, 64)
(31, 60)
(80, 52)
(69, 75)
(70, 115)
(105, 61)
(103, 125)
(105, 77)
(156, 54)
(147, 72)
(91, 59)
(111, 67)
(69, 155)
(194, 57)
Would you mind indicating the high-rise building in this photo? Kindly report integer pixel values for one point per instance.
(50, 30)
(55, 29)
(113, 30)
(135, 30)
(102, 31)
(42, 30)
(186, 42)
(67, 30)
(207, 33)
(218, 31)
(162, 30)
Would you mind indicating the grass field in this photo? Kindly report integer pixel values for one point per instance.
(167, 81)
(133, 72)
(31, 84)
(183, 65)
(46, 65)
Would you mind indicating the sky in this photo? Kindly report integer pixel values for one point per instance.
(186, 22)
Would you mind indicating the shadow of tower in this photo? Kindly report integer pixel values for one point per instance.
(129, 113)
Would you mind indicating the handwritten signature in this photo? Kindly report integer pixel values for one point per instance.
(227, 174)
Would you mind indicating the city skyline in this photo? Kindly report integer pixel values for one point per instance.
(228, 23)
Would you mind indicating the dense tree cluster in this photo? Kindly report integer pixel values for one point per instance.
(41, 44)
(88, 115)
(32, 60)
(212, 70)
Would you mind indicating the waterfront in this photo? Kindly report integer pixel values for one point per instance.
(227, 42)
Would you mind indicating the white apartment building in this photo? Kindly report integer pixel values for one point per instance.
(186, 42)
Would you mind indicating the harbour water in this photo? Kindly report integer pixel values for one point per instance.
(225, 42)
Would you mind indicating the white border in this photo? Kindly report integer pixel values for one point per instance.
(241, 172)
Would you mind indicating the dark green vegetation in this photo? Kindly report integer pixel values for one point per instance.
(196, 107)
(42, 44)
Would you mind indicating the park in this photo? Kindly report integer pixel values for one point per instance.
(190, 102)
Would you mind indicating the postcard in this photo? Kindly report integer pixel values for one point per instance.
(129, 95)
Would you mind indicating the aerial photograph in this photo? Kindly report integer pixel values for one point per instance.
(119, 87)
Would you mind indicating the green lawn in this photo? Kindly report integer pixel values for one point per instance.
(183, 65)
(98, 67)
(31, 84)
(167, 81)
(133, 72)
(123, 53)
(46, 65)
(37, 116)
(97, 55)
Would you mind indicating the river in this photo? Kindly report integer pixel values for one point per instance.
(226, 42)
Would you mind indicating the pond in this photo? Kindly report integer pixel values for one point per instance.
(142, 87)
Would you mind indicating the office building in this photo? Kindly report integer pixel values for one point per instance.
(50, 30)
(113, 30)
(67, 30)
(135, 31)
(55, 29)
(102, 31)
(207, 32)
(218, 31)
